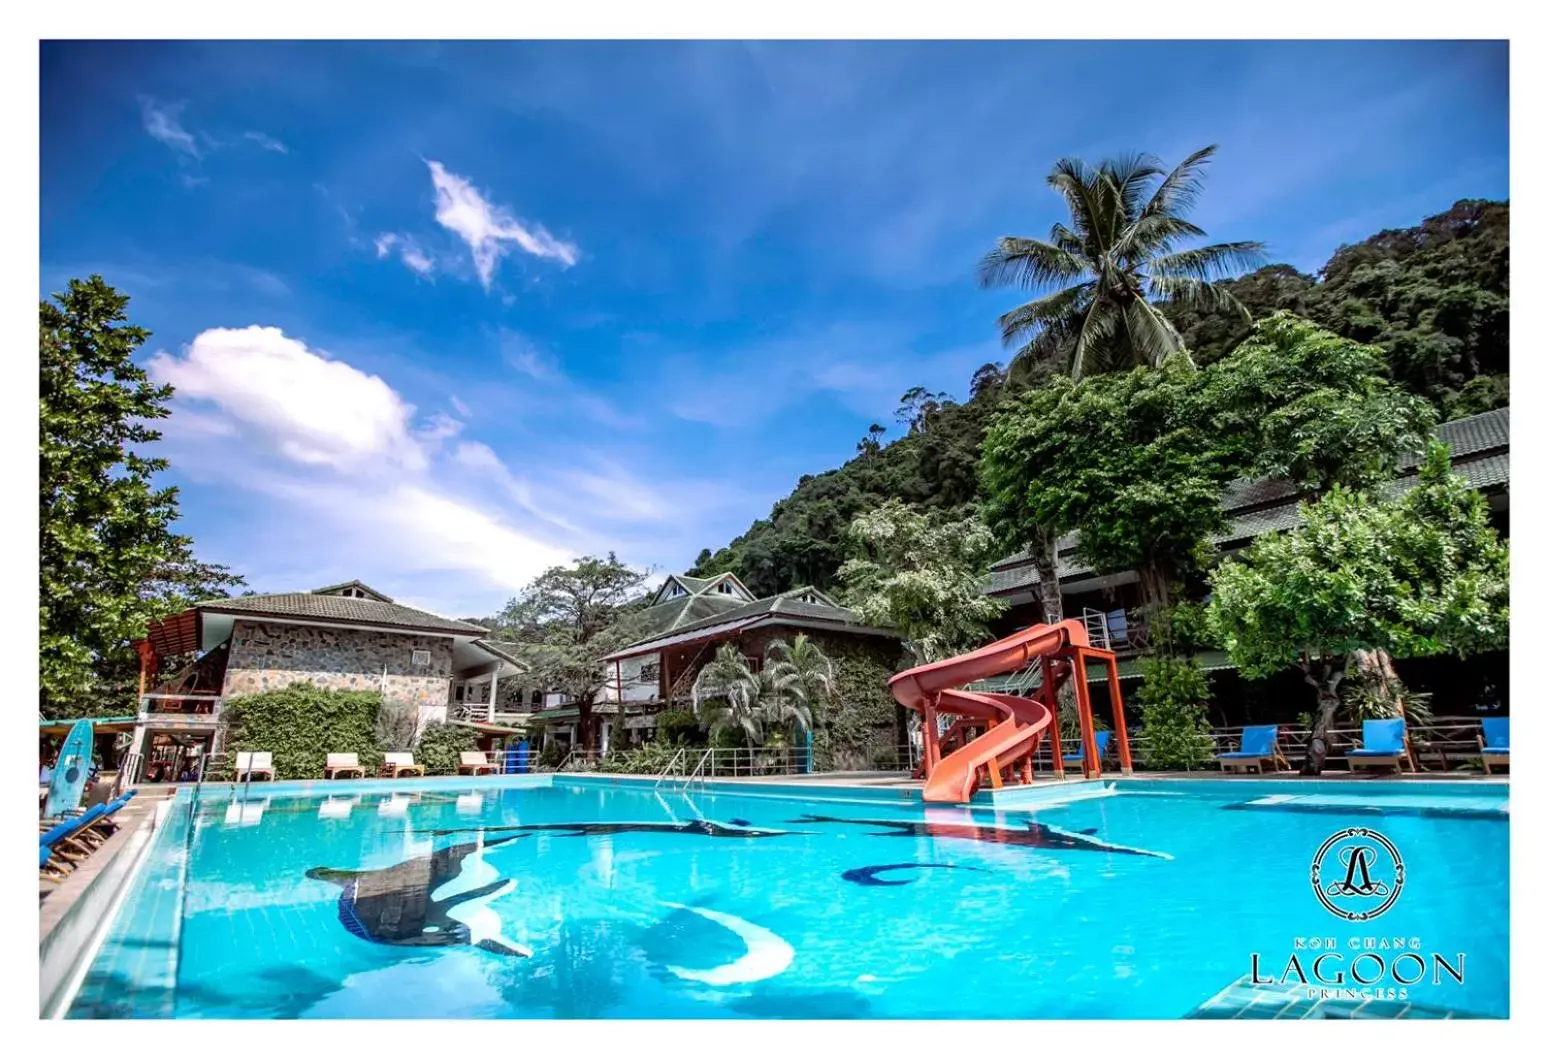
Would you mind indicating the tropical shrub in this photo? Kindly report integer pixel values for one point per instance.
(441, 746)
(649, 759)
(861, 727)
(301, 724)
(1171, 701)
(678, 727)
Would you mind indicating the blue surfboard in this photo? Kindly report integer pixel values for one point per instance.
(74, 764)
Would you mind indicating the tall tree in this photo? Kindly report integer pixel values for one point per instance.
(1125, 459)
(923, 574)
(1419, 575)
(568, 619)
(1108, 277)
(1300, 403)
(108, 560)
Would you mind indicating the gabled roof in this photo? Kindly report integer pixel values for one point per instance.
(338, 589)
(695, 586)
(685, 610)
(336, 609)
(1480, 453)
(804, 607)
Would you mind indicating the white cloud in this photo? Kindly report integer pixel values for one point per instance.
(528, 357)
(415, 259)
(440, 428)
(268, 143)
(317, 471)
(311, 409)
(488, 229)
(621, 495)
(164, 123)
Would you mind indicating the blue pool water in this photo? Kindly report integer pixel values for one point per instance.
(636, 906)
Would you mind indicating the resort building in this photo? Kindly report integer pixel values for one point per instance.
(1111, 604)
(685, 620)
(346, 637)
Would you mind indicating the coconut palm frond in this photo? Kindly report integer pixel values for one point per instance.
(1096, 271)
(1197, 294)
(1210, 263)
(1178, 193)
(1060, 311)
(1028, 263)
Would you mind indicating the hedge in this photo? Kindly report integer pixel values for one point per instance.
(301, 724)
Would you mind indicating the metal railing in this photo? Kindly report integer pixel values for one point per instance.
(128, 772)
(679, 760)
(1096, 628)
(698, 770)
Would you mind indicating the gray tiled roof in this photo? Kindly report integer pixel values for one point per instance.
(1480, 452)
(787, 607)
(336, 609)
(686, 610)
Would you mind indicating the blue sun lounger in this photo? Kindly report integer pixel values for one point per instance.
(1494, 743)
(1075, 760)
(1259, 745)
(67, 838)
(1384, 744)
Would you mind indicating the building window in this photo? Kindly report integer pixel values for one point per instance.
(651, 670)
(537, 699)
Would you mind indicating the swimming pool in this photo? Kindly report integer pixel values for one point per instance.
(596, 898)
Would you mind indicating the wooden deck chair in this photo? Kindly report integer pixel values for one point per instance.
(474, 762)
(1494, 743)
(1384, 744)
(260, 765)
(397, 765)
(343, 766)
(1260, 745)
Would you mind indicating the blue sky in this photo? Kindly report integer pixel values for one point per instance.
(442, 315)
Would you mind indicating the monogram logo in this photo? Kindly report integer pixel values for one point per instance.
(1357, 874)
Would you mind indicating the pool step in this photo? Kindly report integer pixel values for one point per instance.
(1479, 806)
(1243, 1000)
(1044, 795)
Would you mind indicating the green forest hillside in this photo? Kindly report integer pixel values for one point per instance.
(1435, 297)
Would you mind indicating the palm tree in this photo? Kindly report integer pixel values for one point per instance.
(740, 694)
(804, 674)
(1106, 277)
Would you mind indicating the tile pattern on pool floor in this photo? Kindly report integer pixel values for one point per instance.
(1243, 1000)
(135, 972)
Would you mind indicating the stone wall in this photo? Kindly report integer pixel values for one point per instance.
(266, 657)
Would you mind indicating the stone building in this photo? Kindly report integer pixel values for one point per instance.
(346, 637)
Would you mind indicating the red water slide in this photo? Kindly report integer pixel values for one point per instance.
(1015, 724)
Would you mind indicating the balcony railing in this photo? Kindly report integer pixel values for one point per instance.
(154, 706)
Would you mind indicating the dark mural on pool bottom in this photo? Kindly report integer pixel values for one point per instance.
(873, 875)
(700, 827)
(398, 905)
(1034, 835)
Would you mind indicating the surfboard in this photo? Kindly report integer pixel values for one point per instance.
(70, 771)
